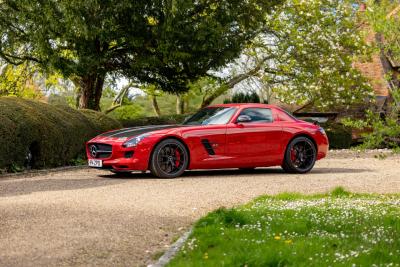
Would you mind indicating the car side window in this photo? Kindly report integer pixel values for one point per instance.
(259, 115)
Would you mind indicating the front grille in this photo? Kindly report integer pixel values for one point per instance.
(100, 151)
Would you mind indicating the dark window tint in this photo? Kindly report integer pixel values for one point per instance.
(258, 114)
(211, 116)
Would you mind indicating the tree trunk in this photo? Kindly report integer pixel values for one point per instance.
(209, 99)
(91, 89)
(223, 88)
(186, 104)
(118, 99)
(155, 105)
(180, 105)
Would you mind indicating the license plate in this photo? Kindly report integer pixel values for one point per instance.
(95, 163)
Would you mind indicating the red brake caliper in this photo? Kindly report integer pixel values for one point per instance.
(293, 154)
(178, 158)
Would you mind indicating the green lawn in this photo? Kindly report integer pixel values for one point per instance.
(336, 229)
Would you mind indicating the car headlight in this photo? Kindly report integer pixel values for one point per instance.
(322, 131)
(135, 141)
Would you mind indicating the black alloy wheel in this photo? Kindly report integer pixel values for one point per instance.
(300, 155)
(169, 159)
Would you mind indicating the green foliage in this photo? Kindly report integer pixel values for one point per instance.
(334, 229)
(388, 26)
(339, 135)
(126, 112)
(206, 90)
(340, 192)
(98, 121)
(163, 120)
(141, 106)
(241, 97)
(224, 216)
(380, 131)
(55, 134)
(307, 51)
(167, 43)
(18, 81)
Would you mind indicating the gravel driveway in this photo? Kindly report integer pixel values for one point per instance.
(88, 217)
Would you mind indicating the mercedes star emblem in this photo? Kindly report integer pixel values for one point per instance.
(93, 150)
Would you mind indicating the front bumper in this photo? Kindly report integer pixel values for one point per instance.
(118, 160)
(323, 146)
(121, 164)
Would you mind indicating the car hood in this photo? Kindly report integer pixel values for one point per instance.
(134, 131)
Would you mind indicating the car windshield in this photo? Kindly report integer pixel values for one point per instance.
(211, 116)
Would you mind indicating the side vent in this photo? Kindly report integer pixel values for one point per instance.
(208, 146)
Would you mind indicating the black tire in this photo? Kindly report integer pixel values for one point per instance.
(169, 159)
(300, 155)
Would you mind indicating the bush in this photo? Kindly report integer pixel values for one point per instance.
(240, 97)
(163, 120)
(380, 130)
(54, 134)
(339, 136)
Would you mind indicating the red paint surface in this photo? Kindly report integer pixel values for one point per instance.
(236, 145)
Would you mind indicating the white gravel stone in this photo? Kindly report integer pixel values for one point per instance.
(93, 218)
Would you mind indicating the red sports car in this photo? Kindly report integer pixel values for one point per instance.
(243, 136)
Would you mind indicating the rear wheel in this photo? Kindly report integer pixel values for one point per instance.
(300, 155)
(169, 159)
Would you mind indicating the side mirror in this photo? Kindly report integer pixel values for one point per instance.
(243, 118)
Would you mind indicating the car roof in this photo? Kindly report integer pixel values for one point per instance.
(241, 105)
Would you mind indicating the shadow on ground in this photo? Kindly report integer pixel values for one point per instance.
(234, 172)
(24, 187)
(27, 186)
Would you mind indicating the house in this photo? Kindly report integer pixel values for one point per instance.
(382, 71)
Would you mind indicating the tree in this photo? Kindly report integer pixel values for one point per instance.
(384, 128)
(384, 132)
(153, 92)
(312, 46)
(213, 87)
(18, 81)
(303, 56)
(162, 42)
(384, 18)
(120, 97)
(27, 81)
(241, 97)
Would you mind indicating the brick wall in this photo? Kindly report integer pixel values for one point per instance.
(374, 70)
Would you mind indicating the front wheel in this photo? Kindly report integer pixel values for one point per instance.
(169, 159)
(300, 155)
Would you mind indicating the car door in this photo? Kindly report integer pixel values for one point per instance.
(255, 142)
(207, 143)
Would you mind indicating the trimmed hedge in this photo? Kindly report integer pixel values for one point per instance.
(339, 136)
(163, 120)
(55, 134)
